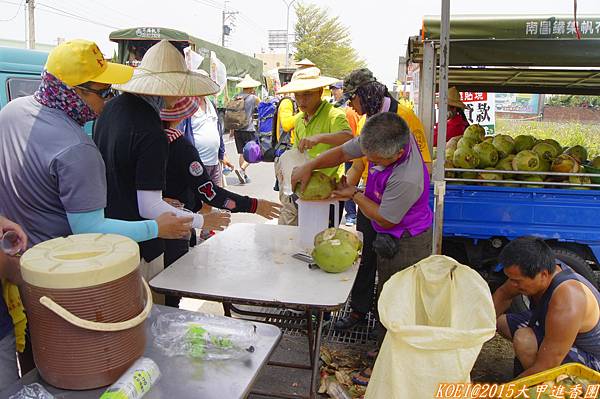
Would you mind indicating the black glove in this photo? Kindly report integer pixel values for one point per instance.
(386, 246)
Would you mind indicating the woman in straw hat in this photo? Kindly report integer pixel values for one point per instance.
(457, 120)
(131, 139)
(190, 184)
(52, 177)
(248, 133)
(314, 127)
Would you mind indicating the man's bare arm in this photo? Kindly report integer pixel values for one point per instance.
(566, 313)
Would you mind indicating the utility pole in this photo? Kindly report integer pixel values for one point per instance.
(226, 29)
(287, 32)
(30, 24)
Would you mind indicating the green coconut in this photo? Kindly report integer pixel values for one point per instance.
(546, 151)
(453, 142)
(595, 162)
(579, 180)
(504, 144)
(578, 152)
(506, 164)
(534, 178)
(564, 163)
(489, 176)
(338, 234)
(465, 158)
(335, 256)
(475, 132)
(524, 142)
(526, 160)
(555, 143)
(466, 142)
(319, 187)
(468, 175)
(487, 153)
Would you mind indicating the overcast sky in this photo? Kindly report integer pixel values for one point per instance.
(379, 29)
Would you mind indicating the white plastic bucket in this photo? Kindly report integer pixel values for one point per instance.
(313, 217)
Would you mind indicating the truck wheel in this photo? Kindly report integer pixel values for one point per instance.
(577, 263)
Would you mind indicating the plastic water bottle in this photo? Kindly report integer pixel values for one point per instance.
(136, 381)
(336, 391)
(10, 243)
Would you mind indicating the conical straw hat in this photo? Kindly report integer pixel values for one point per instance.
(305, 63)
(307, 79)
(248, 83)
(163, 72)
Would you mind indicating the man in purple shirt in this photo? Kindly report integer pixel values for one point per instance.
(396, 198)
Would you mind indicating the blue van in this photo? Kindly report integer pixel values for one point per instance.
(20, 72)
(20, 75)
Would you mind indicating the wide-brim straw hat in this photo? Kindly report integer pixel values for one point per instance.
(163, 72)
(307, 79)
(305, 63)
(454, 98)
(248, 83)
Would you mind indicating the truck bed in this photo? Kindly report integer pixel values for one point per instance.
(480, 212)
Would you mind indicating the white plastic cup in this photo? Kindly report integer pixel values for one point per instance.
(313, 217)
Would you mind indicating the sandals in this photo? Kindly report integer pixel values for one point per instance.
(363, 377)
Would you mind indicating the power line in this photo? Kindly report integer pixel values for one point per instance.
(16, 14)
(68, 14)
(100, 10)
(209, 4)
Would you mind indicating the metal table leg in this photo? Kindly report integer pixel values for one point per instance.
(315, 380)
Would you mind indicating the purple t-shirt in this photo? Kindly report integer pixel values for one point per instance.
(400, 189)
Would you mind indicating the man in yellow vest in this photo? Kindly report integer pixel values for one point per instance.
(315, 126)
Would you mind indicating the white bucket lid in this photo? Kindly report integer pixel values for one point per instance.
(79, 261)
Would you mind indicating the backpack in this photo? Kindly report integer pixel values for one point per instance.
(235, 114)
(284, 142)
(266, 115)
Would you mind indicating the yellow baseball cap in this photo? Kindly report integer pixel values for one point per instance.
(78, 61)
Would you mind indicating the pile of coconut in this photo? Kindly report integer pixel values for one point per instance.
(525, 153)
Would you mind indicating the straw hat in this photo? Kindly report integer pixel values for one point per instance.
(305, 63)
(163, 72)
(307, 79)
(454, 98)
(248, 83)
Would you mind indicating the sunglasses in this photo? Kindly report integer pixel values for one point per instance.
(103, 93)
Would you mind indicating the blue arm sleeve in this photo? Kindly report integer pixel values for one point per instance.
(95, 222)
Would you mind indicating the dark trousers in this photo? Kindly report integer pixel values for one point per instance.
(363, 290)
(174, 249)
(412, 250)
(349, 205)
(332, 214)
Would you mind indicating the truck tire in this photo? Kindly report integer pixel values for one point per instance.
(577, 263)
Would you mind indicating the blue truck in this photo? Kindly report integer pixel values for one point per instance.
(497, 54)
(479, 221)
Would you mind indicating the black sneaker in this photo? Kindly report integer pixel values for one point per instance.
(350, 321)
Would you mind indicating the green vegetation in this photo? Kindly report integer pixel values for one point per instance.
(325, 41)
(567, 100)
(567, 134)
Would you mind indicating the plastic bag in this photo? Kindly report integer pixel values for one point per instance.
(203, 336)
(32, 391)
(438, 313)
